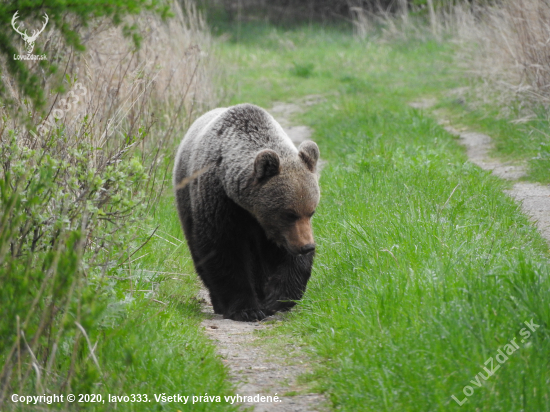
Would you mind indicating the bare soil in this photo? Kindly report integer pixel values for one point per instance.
(256, 368)
(256, 365)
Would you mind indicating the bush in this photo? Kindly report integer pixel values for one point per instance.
(64, 17)
(78, 184)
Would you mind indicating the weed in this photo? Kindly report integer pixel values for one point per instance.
(304, 70)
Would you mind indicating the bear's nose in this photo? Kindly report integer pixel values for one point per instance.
(307, 248)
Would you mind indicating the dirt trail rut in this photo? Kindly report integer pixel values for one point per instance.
(534, 197)
(252, 367)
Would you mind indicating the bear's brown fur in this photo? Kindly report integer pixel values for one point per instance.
(245, 196)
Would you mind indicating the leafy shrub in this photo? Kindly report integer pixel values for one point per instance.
(65, 217)
(77, 185)
(29, 78)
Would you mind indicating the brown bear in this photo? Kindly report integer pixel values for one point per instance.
(245, 197)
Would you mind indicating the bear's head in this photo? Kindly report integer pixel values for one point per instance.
(286, 193)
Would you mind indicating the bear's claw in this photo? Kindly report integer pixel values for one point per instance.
(247, 315)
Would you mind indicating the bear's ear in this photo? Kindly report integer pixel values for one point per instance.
(309, 153)
(266, 164)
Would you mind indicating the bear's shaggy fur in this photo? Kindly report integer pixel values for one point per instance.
(245, 196)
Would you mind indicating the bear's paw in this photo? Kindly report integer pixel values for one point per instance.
(247, 315)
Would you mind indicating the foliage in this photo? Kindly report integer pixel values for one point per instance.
(57, 204)
(79, 215)
(424, 267)
(66, 17)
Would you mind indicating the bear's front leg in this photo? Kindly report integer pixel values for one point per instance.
(231, 285)
(247, 315)
(241, 303)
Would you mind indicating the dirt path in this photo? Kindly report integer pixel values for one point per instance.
(534, 197)
(253, 367)
(282, 112)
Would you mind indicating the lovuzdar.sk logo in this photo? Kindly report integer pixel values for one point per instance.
(29, 39)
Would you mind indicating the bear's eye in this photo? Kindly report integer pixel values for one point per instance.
(290, 216)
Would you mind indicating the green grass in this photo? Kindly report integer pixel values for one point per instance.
(425, 268)
(270, 64)
(157, 346)
(524, 142)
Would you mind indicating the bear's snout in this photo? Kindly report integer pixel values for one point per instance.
(300, 238)
(307, 249)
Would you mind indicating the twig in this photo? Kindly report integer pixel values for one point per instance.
(166, 240)
(143, 244)
(39, 388)
(92, 354)
(142, 256)
(185, 181)
(154, 271)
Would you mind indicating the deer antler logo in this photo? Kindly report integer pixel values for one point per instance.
(29, 39)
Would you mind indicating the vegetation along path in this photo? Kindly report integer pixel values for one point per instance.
(533, 197)
(430, 288)
(425, 268)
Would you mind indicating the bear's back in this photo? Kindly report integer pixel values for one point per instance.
(225, 141)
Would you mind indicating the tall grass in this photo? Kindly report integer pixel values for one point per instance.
(424, 20)
(424, 268)
(501, 63)
(77, 185)
(504, 51)
(506, 45)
